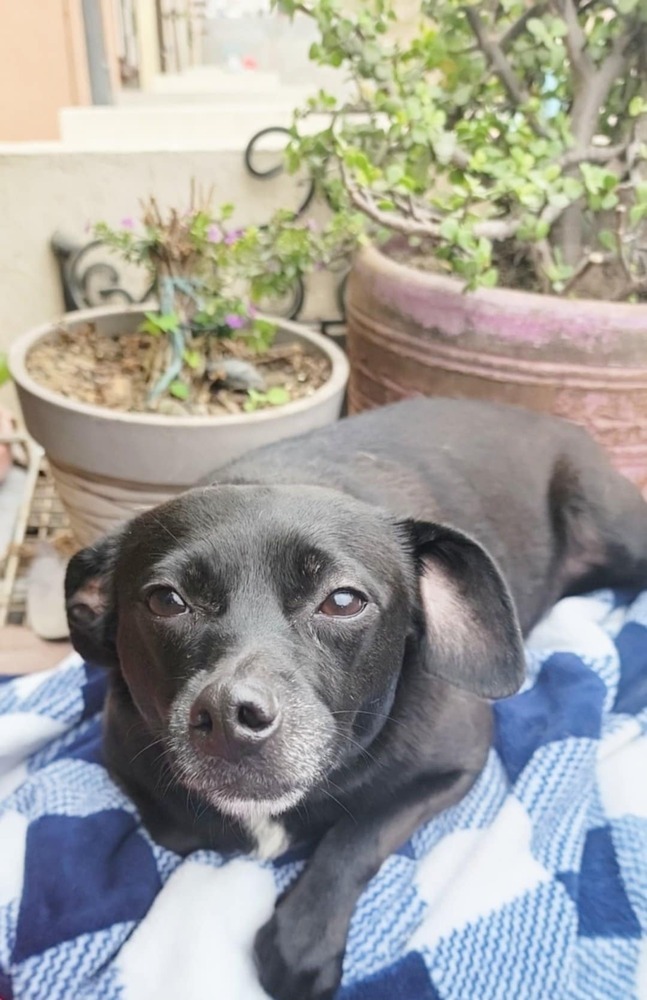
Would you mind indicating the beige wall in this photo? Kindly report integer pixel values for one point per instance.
(43, 64)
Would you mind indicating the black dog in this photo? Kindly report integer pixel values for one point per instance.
(304, 651)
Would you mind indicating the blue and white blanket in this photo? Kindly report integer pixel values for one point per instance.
(532, 888)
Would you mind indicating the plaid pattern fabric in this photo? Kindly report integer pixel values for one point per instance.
(534, 887)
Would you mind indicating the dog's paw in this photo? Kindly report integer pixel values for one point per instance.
(292, 967)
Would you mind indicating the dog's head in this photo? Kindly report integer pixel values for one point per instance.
(262, 631)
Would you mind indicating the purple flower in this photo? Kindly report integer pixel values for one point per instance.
(234, 321)
(214, 233)
(128, 222)
(232, 236)
(312, 225)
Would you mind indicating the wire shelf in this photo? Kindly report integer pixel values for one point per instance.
(41, 518)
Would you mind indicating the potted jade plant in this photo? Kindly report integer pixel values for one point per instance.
(134, 404)
(496, 153)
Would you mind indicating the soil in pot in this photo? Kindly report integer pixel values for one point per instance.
(516, 270)
(115, 372)
(514, 266)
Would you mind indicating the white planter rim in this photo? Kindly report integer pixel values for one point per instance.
(19, 350)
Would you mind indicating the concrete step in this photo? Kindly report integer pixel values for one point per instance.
(215, 81)
(174, 126)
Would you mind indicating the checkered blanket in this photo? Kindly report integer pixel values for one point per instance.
(534, 887)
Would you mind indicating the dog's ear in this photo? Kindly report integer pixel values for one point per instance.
(89, 601)
(473, 635)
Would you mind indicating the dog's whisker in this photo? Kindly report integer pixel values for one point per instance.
(148, 746)
(168, 531)
(354, 742)
(364, 750)
(336, 800)
(377, 715)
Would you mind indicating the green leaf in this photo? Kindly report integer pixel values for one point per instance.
(572, 188)
(450, 230)
(5, 374)
(394, 173)
(161, 322)
(558, 28)
(538, 29)
(261, 335)
(148, 326)
(609, 201)
(179, 389)
(637, 213)
(254, 400)
(192, 358)
(277, 396)
(607, 239)
(489, 278)
(637, 106)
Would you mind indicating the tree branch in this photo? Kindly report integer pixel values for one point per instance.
(576, 42)
(495, 57)
(542, 257)
(591, 98)
(591, 260)
(519, 26)
(585, 115)
(594, 154)
(493, 52)
(424, 224)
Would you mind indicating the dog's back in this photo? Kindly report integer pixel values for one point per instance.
(527, 486)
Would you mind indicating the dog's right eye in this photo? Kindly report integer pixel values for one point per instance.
(166, 602)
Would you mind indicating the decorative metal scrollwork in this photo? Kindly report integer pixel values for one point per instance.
(90, 276)
(329, 325)
(277, 169)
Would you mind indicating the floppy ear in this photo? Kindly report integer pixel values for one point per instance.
(89, 601)
(472, 629)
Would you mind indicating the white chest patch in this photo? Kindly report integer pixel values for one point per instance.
(270, 836)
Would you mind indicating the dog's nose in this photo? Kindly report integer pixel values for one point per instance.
(231, 720)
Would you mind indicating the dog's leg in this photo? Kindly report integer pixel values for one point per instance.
(299, 952)
(600, 518)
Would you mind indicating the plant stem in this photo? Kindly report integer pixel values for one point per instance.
(494, 54)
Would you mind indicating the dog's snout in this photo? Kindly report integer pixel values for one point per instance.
(231, 720)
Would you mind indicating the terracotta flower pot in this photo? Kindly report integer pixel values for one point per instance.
(412, 332)
(108, 465)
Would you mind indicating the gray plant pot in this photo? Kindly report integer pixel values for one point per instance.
(110, 465)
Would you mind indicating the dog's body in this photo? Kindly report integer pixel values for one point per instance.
(303, 652)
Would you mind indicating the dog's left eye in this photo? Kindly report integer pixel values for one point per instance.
(343, 604)
(166, 602)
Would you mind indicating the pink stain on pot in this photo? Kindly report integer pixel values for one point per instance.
(507, 315)
(412, 332)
